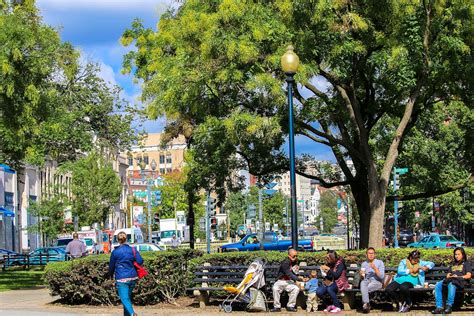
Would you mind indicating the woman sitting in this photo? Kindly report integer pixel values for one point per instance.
(335, 280)
(458, 277)
(410, 273)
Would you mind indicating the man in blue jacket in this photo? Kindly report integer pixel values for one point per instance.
(121, 263)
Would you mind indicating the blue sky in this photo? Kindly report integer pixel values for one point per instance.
(95, 26)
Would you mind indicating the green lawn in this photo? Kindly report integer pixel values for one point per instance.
(14, 280)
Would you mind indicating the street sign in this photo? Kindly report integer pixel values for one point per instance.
(269, 191)
(271, 185)
(401, 170)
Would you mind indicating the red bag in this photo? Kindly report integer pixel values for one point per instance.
(141, 271)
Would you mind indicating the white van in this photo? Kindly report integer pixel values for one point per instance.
(134, 235)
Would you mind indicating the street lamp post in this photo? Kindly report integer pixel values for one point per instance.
(289, 65)
(149, 183)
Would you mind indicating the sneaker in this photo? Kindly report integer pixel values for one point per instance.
(437, 311)
(401, 307)
(366, 308)
(448, 309)
(329, 308)
(291, 309)
(335, 310)
(275, 310)
(405, 309)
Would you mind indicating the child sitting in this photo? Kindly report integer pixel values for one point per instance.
(311, 286)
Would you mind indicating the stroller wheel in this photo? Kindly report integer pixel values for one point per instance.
(228, 308)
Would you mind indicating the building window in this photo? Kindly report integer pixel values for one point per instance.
(162, 158)
(145, 158)
(168, 158)
(130, 160)
(168, 170)
(162, 170)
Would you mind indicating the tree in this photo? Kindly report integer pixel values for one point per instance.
(173, 196)
(95, 188)
(327, 212)
(52, 216)
(51, 107)
(212, 69)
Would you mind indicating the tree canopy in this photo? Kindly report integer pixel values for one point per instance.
(372, 73)
(51, 105)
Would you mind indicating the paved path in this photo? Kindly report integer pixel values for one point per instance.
(38, 302)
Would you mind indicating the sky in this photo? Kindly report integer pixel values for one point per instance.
(94, 27)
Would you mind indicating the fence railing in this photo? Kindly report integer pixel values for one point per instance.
(26, 260)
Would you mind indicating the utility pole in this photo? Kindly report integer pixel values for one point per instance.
(260, 218)
(208, 222)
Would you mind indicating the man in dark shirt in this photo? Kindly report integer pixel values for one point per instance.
(287, 280)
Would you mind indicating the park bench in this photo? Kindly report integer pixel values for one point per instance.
(210, 279)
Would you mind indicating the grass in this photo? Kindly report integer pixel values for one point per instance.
(20, 279)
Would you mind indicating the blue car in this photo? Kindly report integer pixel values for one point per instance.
(42, 256)
(436, 241)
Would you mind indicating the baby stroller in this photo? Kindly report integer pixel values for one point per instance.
(248, 291)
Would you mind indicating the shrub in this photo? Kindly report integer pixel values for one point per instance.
(85, 281)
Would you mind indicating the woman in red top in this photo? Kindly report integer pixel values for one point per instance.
(335, 280)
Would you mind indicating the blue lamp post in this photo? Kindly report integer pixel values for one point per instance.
(289, 65)
(149, 183)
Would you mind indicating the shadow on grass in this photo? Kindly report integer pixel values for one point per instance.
(15, 280)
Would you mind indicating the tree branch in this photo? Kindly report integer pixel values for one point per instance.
(323, 182)
(415, 196)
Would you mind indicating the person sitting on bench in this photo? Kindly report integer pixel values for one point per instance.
(287, 280)
(458, 277)
(410, 273)
(372, 273)
(335, 280)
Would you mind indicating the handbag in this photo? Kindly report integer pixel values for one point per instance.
(141, 271)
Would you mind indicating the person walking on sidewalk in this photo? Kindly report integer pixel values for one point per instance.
(372, 273)
(121, 263)
(287, 280)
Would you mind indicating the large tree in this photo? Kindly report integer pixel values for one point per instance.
(370, 72)
(51, 106)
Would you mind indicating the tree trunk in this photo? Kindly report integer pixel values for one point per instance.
(377, 207)
(191, 218)
(361, 197)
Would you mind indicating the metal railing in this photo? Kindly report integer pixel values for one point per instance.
(25, 260)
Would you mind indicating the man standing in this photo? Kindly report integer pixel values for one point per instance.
(287, 280)
(372, 273)
(174, 242)
(76, 248)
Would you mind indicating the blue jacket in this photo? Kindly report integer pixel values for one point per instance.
(312, 285)
(403, 270)
(121, 262)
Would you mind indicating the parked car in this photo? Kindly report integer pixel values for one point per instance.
(63, 241)
(270, 242)
(6, 254)
(435, 241)
(42, 256)
(406, 237)
(141, 247)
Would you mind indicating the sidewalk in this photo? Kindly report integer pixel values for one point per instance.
(38, 302)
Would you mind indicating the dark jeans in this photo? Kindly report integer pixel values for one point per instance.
(125, 293)
(399, 292)
(331, 290)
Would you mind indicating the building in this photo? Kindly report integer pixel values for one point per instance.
(156, 161)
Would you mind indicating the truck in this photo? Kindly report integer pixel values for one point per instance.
(177, 226)
(93, 238)
(134, 235)
(270, 242)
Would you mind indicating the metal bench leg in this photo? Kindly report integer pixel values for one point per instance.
(203, 298)
(348, 300)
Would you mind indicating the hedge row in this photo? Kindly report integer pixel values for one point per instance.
(84, 281)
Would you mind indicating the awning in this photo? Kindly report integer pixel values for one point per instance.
(6, 168)
(5, 212)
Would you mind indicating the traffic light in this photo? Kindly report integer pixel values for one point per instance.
(212, 204)
(213, 223)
